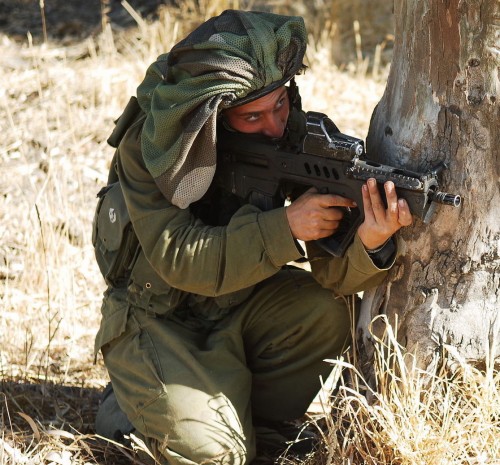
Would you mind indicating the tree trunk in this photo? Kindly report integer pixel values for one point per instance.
(441, 104)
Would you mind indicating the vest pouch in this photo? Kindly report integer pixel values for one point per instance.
(123, 123)
(115, 243)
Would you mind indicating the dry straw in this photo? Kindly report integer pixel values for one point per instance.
(409, 416)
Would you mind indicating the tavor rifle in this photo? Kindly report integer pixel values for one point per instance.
(265, 172)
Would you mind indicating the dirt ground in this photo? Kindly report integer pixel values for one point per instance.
(67, 20)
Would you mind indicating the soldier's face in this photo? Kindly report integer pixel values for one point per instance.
(267, 115)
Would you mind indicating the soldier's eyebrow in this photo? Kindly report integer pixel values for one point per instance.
(253, 112)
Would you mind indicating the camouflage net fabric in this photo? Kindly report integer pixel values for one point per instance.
(232, 58)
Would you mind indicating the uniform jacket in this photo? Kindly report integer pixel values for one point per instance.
(207, 258)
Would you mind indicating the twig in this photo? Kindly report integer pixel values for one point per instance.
(44, 24)
(136, 16)
(105, 9)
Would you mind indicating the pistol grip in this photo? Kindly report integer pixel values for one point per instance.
(337, 243)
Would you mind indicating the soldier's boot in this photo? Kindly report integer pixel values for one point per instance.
(290, 437)
(111, 422)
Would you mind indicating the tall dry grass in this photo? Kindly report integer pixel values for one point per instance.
(407, 416)
(57, 109)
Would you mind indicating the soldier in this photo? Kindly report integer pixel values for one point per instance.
(214, 345)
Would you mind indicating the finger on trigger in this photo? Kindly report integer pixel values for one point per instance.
(339, 201)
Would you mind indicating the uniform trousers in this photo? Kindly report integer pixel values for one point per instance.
(195, 392)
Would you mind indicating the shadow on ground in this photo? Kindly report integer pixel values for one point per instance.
(45, 413)
(51, 404)
(68, 19)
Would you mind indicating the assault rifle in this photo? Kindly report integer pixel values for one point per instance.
(265, 172)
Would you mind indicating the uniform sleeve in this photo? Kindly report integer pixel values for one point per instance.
(355, 272)
(190, 255)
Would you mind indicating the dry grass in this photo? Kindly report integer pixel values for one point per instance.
(58, 106)
(406, 416)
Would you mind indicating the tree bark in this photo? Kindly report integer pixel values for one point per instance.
(441, 104)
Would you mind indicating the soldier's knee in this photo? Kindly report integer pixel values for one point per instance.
(190, 434)
(204, 447)
(332, 319)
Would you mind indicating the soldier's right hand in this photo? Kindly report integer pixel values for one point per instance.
(314, 216)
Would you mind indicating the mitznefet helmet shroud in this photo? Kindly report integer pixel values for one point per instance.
(229, 60)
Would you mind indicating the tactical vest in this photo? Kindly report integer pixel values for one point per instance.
(115, 243)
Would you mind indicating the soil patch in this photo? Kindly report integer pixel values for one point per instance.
(68, 20)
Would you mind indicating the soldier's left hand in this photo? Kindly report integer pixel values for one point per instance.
(380, 222)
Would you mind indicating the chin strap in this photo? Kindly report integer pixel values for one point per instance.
(294, 95)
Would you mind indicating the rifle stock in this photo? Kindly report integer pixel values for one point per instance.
(265, 172)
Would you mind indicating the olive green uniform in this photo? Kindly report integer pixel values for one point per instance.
(213, 332)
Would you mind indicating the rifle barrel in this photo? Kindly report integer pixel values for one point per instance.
(446, 198)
